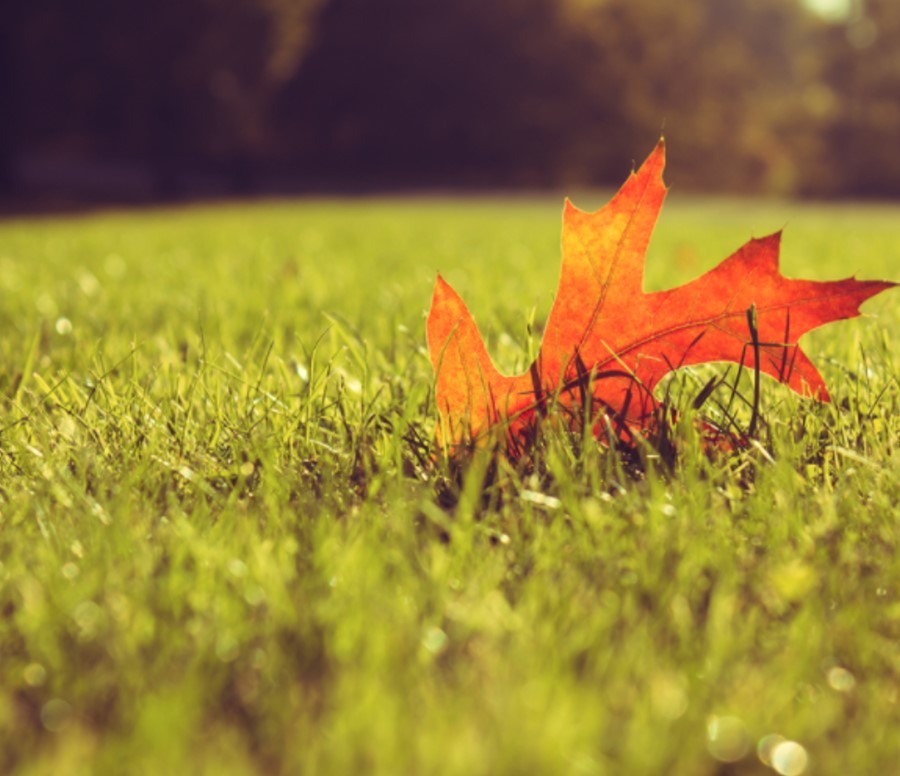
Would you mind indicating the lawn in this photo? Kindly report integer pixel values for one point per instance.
(225, 548)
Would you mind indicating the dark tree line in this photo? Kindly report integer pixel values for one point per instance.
(754, 95)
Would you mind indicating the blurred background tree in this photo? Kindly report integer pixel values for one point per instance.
(862, 70)
(124, 98)
(171, 86)
(458, 91)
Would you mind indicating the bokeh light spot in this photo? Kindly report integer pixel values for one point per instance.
(434, 640)
(789, 758)
(841, 679)
(766, 746)
(35, 674)
(70, 571)
(55, 714)
(727, 738)
(830, 9)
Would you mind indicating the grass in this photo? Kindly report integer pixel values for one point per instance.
(222, 552)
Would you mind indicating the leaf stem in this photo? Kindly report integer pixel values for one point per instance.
(753, 323)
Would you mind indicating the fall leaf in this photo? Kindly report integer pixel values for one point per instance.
(607, 343)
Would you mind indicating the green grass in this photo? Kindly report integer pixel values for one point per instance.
(220, 553)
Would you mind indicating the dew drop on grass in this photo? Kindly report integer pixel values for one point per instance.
(434, 640)
(55, 714)
(668, 694)
(70, 571)
(89, 618)
(63, 326)
(766, 745)
(727, 738)
(254, 595)
(34, 674)
(237, 568)
(789, 758)
(841, 679)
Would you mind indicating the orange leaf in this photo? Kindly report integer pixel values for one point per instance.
(609, 342)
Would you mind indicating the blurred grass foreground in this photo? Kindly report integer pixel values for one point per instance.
(223, 550)
(104, 99)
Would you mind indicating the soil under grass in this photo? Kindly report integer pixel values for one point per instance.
(225, 547)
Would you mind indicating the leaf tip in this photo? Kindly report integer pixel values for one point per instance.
(767, 249)
(655, 164)
(441, 291)
(441, 286)
(570, 207)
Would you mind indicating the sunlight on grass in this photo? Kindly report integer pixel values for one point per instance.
(226, 547)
